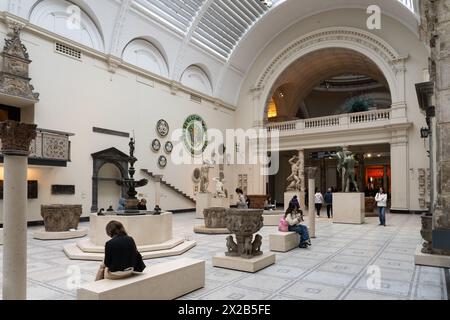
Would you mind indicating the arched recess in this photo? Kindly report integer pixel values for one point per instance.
(196, 78)
(387, 59)
(112, 156)
(60, 17)
(143, 54)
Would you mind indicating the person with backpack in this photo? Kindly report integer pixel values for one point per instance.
(294, 220)
(318, 201)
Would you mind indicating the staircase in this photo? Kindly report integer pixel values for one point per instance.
(170, 186)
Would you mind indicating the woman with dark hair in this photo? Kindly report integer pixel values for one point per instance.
(242, 202)
(294, 219)
(121, 255)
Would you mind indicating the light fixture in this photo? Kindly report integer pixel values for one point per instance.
(369, 155)
(379, 156)
(267, 3)
(281, 94)
(425, 133)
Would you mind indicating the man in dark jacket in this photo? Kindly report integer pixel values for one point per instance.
(329, 202)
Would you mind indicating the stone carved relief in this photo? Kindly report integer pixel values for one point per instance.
(215, 217)
(244, 223)
(16, 137)
(14, 75)
(55, 147)
(60, 218)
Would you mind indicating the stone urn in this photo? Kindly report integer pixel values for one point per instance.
(60, 218)
(215, 217)
(427, 233)
(244, 223)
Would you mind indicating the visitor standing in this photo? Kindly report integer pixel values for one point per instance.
(329, 202)
(294, 219)
(241, 202)
(381, 199)
(121, 255)
(142, 204)
(318, 200)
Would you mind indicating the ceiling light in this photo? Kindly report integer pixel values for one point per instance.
(379, 156)
(369, 155)
(267, 3)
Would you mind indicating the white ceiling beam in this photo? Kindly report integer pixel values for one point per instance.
(118, 27)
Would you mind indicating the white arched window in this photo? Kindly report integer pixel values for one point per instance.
(68, 20)
(145, 55)
(195, 78)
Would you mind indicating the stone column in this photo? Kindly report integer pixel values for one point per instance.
(157, 179)
(312, 173)
(16, 138)
(399, 171)
(362, 173)
(385, 179)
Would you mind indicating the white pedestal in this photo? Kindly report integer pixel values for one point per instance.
(272, 218)
(145, 229)
(348, 208)
(1, 237)
(288, 195)
(219, 203)
(203, 201)
(163, 281)
(247, 265)
(204, 230)
(45, 235)
(431, 260)
(284, 241)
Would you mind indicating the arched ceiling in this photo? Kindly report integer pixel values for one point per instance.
(301, 77)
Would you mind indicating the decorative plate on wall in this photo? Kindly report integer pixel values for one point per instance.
(168, 147)
(195, 135)
(156, 145)
(162, 127)
(162, 162)
(196, 175)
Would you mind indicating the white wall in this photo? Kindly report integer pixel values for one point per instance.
(78, 95)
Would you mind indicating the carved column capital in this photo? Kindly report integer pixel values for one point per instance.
(311, 172)
(16, 137)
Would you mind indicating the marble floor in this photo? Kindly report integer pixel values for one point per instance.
(340, 265)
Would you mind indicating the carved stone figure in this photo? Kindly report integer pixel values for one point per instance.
(244, 223)
(294, 179)
(220, 190)
(346, 163)
(232, 247)
(204, 176)
(60, 218)
(215, 217)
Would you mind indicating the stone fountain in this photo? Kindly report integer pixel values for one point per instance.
(215, 221)
(245, 253)
(131, 203)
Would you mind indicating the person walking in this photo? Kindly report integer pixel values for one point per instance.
(318, 200)
(294, 219)
(381, 199)
(329, 202)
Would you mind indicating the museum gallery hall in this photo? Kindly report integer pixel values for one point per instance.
(224, 150)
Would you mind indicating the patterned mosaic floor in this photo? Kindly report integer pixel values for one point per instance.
(335, 267)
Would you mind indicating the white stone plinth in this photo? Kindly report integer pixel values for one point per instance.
(247, 265)
(164, 281)
(284, 241)
(204, 230)
(288, 195)
(1, 237)
(272, 219)
(348, 208)
(45, 235)
(219, 203)
(203, 201)
(145, 229)
(431, 260)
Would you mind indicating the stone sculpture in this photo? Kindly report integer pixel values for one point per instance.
(346, 163)
(204, 176)
(220, 190)
(215, 217)
(244, 223)
(294, 181)
(61, 218)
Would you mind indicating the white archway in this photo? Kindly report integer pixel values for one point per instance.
(196, 78)
(145, 55)
(58, 16)
(388, 60)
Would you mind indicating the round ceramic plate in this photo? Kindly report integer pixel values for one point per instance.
(162, 161)
(162, 127)
(156, 145)
(168, 147)
(195, 134)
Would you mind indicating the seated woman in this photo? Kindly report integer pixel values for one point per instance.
(294, 219)
(121, 255)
